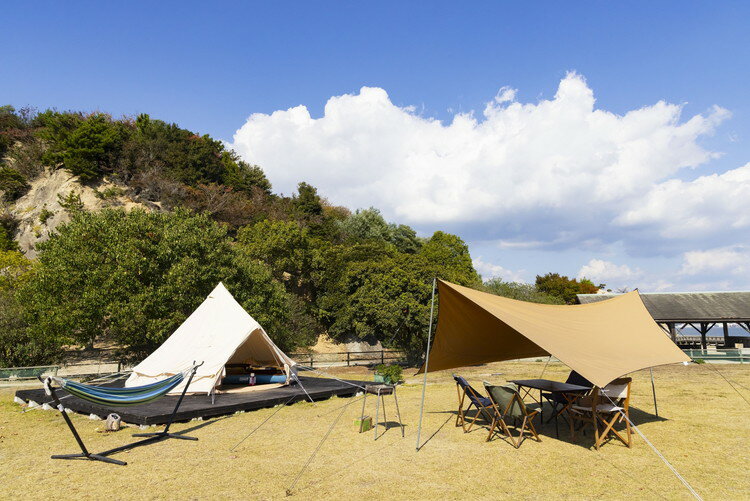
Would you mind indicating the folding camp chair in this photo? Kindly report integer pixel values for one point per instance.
(481, 403)
(603, 408)
(507, 403)
(559, 402)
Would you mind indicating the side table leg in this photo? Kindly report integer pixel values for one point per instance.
(377, 416)
(362, 417)
(398, 412)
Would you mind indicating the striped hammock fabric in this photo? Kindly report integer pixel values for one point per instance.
(121, 397)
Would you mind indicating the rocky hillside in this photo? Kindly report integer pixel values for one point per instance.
(51, 198)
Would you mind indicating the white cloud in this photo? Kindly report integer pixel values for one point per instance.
(710, 206)
(556, 172)
(722, 261)
(600, 271)
(490, 270)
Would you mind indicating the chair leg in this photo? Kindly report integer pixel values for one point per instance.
(492, 429)
(474, 419)
(596, 430)
(630, 432)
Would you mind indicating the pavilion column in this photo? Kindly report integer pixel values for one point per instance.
(704, 330)
(726, 335)
(672, 332)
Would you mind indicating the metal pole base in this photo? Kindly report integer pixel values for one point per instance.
(92, 457)
(164, 435)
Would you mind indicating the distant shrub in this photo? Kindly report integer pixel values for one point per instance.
(391, 373)
(12, 184)
(71, 202)
(45, 214)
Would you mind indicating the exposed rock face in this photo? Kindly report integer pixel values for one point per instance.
(39, 211)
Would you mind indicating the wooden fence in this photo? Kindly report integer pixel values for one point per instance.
(349, 358)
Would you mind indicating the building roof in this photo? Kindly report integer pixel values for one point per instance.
(689, 306)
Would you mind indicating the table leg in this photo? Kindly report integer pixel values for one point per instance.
(398, 412)
(385, 417)
(362, 417)
(377, 415)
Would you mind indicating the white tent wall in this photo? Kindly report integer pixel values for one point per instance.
(218, 332)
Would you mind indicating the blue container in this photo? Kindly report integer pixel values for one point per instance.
(259, 378)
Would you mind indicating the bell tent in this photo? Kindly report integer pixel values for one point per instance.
(219, 333)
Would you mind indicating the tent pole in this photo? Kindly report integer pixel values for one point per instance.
(426, 360)
(653, 390)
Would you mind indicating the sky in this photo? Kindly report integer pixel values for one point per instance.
(591, 138)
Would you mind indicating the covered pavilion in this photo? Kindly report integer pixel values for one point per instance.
(701, 310)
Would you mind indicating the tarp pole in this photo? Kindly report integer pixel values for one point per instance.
(653, 391)
(426, 360)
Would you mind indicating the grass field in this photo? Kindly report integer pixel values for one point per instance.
(704, 431)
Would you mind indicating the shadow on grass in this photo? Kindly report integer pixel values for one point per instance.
(436, 431)
(547, 429)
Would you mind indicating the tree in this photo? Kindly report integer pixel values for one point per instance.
(451, 255)
(283, 245)
(135, 277)
(243, 176)
(405, 239)
(19, 345)
(86, 146)
(520, 291)
(307, 202)
(12, 184)
(366, 224)
(564, 288)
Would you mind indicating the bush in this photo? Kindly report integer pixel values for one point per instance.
(12, 184)
(391, 373)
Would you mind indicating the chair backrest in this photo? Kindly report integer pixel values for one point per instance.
(468, 389)
(575, 378)
(506, 398)
(618, 391)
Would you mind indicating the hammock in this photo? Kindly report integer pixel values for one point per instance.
(121, 397)
(107, 397)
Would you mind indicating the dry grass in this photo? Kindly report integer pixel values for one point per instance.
(704, 434)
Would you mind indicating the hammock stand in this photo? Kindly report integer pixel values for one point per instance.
(151, 437)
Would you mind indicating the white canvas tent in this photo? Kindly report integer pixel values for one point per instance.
(217, 333)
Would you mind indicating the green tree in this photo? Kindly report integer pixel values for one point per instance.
(283, 245)
(565, 288)
(243, 176)
(366, 224)
(520, 291)
(451, 255)
(134, 277)
(19, 345)
(307, 201)
(12, 184)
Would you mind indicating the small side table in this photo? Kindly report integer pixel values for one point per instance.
(380, 390)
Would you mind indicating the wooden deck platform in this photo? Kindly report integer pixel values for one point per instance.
(194, 406)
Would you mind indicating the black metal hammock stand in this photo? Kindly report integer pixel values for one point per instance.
(103, 395)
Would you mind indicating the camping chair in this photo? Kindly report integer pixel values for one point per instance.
(481, 403)
(507, 403)
(110, 396)
(557, 400)
(604, 407)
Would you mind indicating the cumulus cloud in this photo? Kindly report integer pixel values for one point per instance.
(557, 172)
(600, 271)
(489, 270)
(713, 206)
(733, 260)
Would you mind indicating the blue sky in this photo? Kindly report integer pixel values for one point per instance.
(209, 67)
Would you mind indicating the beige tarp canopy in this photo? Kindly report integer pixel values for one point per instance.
(601, 341)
